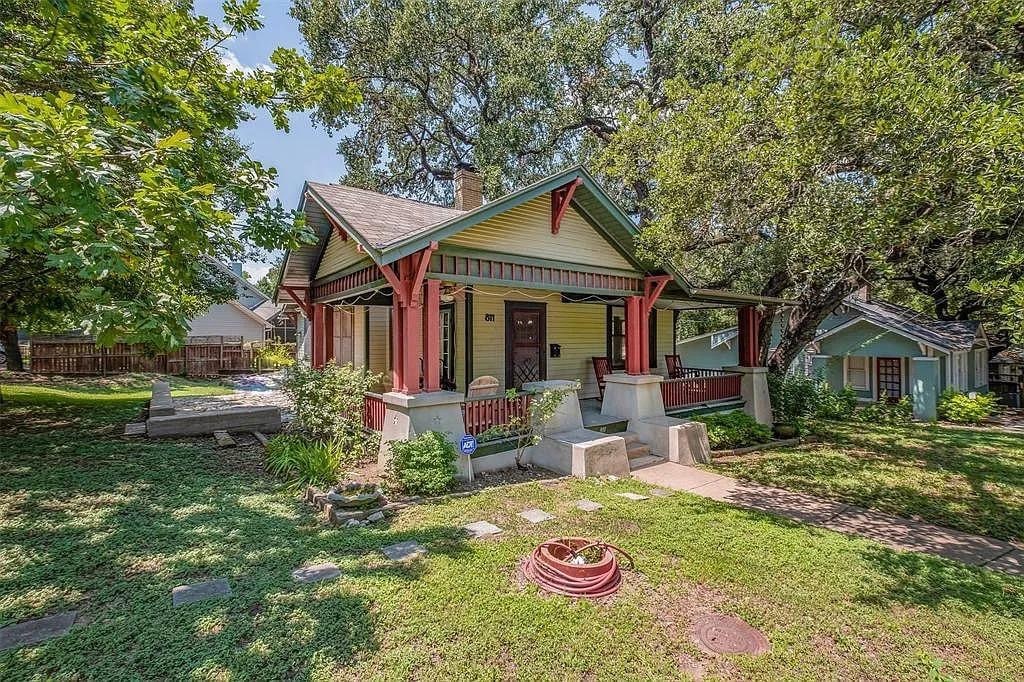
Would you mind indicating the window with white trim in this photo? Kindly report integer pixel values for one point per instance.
(980, 367)
(858, 372)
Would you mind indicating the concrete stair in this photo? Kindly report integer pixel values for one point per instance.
(637, 451)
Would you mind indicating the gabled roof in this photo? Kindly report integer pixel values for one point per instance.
(241, 282)
(380, 219)
(945, 335)
(1009, 356)
(389, 228)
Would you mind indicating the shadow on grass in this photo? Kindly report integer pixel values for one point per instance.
(110, 527)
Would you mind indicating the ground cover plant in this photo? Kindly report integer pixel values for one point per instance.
(963, 478)
(733, 430)
(108, 526)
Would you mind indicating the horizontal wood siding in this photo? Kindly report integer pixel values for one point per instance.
(526, 231)
(380, 338)
(339, 254)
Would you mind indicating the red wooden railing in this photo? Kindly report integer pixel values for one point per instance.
(698, 386)
(373, 411)
(481, 414)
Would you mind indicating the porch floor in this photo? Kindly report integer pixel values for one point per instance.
(591, 409)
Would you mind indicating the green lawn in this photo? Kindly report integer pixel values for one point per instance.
(970, 479)
(109, 526)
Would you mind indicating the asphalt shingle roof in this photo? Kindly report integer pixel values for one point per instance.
(381, 219)
(951, 335)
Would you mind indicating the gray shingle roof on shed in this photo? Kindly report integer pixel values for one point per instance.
(944, 334)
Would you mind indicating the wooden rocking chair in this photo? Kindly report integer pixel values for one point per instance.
(674, 366)
(602, 368)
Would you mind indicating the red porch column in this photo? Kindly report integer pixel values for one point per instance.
(317, 331)
(432, 335)
(749, 341)
(410, 330)
(328, 333)
(397, 376)
(635, 325)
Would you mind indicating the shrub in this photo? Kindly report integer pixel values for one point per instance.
(832, 405)
(328, 402)
(274, 354)
(424, 465)
(727, 430)
(961, 408)
(793, 397)
(885, 412)
(305, 462)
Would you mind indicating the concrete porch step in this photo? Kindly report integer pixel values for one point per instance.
(643, 462)
(637, 449)
(631, 438)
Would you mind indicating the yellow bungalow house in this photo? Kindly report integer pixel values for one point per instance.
(542, 285)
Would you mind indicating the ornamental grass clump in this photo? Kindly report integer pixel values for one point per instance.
(302, 461)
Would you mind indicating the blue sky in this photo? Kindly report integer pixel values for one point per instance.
(305, 153)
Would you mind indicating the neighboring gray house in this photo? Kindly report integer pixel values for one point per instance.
(877, 348)
(247, 316)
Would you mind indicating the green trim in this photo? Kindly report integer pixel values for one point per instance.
(727, 406)
(516, 284)
(469, 337)
(462, 251)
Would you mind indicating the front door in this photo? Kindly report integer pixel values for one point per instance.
(890, 378)
(525, 343)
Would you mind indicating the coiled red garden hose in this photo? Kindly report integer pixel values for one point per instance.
(551, 567)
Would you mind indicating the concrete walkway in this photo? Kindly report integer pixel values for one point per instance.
(896, 532)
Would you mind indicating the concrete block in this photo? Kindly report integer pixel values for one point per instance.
(633, 397)
(161, 404)
(224, 439)
(581, 453)
(404, 551)
(35, 631)
(266, 419)
(316, 573)
(568, 416)
(535, 515)
(754, 389)
(187, 594)
(407, 416)
(481, 529)
(694, 445)
(135, 429)
(589, 505)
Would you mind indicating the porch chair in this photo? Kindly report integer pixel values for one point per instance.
(602, 368)
(674, 366)
(483, 386)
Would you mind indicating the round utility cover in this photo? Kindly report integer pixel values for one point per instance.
(717, 633)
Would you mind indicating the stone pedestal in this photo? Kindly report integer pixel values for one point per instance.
(568, 416)
(754, 389)
(629, 396)
(407, 416)
(924, 383)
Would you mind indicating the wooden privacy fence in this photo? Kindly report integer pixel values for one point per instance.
(198, 356)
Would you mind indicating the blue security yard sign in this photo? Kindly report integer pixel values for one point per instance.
(467, 444)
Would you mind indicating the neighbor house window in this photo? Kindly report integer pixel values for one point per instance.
(980, 367)
(858, 373)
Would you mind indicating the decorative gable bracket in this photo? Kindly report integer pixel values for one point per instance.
(561, 197)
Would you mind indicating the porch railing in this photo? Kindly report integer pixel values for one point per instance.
(373, 411)
(699, 386)
(488, 412)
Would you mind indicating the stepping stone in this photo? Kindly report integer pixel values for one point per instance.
(535, 515)
(633, 496)
(316, 573)
(35, 631)
(135, 429)
(660, 492)
(481, 529)
(404, 551)
(211, 589)
(224, 439)
(589, 505)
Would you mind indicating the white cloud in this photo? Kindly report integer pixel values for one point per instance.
(256, 270)
(230, 60)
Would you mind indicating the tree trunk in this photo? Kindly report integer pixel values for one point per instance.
(9, 339)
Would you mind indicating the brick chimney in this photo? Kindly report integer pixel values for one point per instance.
(468, 188)
(862, 294)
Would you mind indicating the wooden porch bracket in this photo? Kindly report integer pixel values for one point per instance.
(653, 286)
(560, 200)
(406, 287)
(303, 303)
